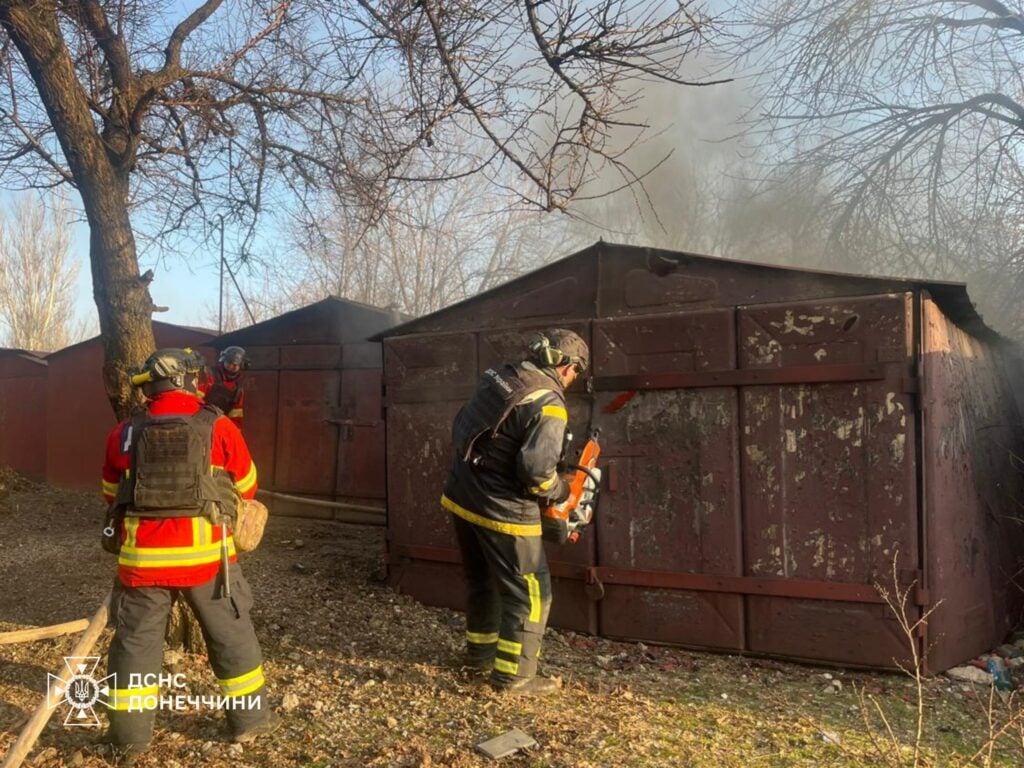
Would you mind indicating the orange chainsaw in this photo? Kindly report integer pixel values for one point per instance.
(562, 522)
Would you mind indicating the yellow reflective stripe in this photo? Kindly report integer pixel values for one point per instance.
(249, 480)
(243, 684)
(131, 525)
(506, 666)
(533, 587)
(200, 394)
(555, 410)
(170, 551)
(513, 529)
(169, 562)
(545, 484)
(202, 532)
(124, 699)
(481, 638)
(235, 413)
(110, 488)
(510, 646)
(164, 557)
(534, 396)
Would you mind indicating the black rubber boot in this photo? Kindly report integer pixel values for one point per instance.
(478, 663)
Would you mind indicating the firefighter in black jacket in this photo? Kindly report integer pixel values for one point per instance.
(507, 442)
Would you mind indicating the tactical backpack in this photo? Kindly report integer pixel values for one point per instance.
(170, 473)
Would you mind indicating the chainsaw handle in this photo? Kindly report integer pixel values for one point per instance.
(585, 470)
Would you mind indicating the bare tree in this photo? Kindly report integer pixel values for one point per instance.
(437, 244)
(910, 110)
(239, 106)
(37, 276)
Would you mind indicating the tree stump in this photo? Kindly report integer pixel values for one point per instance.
(183, 630)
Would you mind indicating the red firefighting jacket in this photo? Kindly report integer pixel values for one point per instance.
(230, 394)
(176, 551)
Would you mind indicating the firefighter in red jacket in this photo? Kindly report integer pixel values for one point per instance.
(507, 443)
(223, 386)
(173, 474)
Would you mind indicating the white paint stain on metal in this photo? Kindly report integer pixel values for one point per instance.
(821, 354)
(891, 404)
(762, 354)
(632, 542)
(800, 324)
(790, 441)
(897, 447)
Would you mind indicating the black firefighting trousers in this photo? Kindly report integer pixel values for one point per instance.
(509, 599)
(136, 658)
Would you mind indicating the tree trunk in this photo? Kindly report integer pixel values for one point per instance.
(183, 629)
(100, 164)
(121, 294)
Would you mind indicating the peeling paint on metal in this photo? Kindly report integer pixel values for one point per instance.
(792, 323)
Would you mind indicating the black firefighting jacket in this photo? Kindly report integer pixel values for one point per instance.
(507, 442)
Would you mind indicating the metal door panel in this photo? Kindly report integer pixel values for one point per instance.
(671, 499)
(307, 444)
(260, 423)
(674, 616)
(435, 365)
(819, 630)
(828, 473)
(361, 456)
(418, 458)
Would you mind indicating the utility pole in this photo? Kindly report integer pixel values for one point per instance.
(220, 282)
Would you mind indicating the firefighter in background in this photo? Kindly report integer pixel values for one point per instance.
(507, 443)
(223, 386)
(173, 474)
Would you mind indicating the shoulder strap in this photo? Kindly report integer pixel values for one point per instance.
(208, 414)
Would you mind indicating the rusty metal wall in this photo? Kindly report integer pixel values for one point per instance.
(761, 452)
(829, 472)
(973, 480)
(78, 414)
(313, 412)
(23, 412)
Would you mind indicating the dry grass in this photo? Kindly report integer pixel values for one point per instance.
(378, 684)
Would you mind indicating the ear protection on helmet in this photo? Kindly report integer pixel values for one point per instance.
(545, 354)
(169, 364)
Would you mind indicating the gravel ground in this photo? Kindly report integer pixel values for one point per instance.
(365, 677)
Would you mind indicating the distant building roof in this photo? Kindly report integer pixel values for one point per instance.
(332, 320)
(158, 325)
